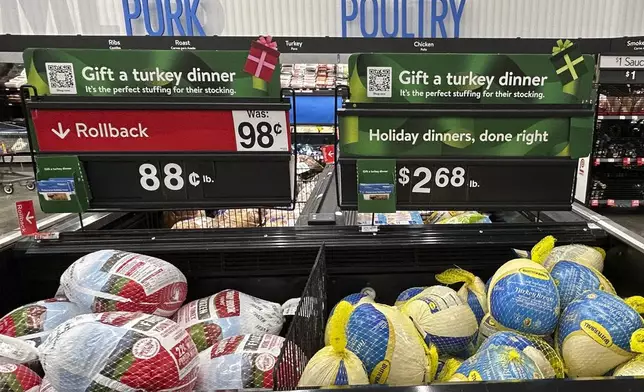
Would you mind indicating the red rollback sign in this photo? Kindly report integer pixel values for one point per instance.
(26, 217)
(59, 130)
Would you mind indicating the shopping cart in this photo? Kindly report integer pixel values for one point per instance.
(15, 160)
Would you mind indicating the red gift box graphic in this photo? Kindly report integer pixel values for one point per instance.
(262, 59)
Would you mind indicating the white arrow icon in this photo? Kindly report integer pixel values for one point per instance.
(60, 132)
(29, 218)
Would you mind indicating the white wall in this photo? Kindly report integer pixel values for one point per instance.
(480, 18)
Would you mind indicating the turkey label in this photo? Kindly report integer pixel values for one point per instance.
(146, 271)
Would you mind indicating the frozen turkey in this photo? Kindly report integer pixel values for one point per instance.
(112, 280)
(120, 351)
(34, 321)
(229, 313)
(240, 362)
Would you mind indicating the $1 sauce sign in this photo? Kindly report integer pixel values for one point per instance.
(123, 130)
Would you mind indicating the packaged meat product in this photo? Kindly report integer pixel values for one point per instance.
(112, 280)
(120, 351)
(229, 313)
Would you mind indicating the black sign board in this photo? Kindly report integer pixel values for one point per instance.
(620, 76)
(504, 184)
(18, 43)
(185, 181)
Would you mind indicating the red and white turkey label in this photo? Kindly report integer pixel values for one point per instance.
(139, 130)
(149, 272)
(169, 335)
(227, 303)
(194, 312)
(226, 346)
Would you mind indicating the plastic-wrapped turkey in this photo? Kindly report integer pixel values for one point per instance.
(112, 280)
(229, 313)
(33, 322)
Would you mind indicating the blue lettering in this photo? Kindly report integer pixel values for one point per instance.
(421, 18)
(401, 12)
(130, 15)
(168, 15)
(405, 33)
(457, 12)
(439, 19)
(363, 19)
(348, 18)
(191, 17)
(172, 18)
(393, 33)
(160, 22)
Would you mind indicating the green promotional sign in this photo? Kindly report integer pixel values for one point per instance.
(406, 137)
(61, 184)
(154, 73)
(376, 185)
(566, 77)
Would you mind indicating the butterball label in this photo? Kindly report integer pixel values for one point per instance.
(380, 372)
(146, 348)
(535, 273)
(596, 332)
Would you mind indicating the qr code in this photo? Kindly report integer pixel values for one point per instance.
(61, 78)
(379, 82)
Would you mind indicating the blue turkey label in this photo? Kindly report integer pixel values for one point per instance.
(604, 317)
(526, 301)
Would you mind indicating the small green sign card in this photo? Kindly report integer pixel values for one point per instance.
(61, 184)
(376, 185)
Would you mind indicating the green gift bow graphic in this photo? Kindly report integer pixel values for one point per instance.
(569, 66)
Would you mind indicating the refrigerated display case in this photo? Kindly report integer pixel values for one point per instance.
(319, 252)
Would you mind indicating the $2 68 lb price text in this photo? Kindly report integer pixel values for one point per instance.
(421, 177)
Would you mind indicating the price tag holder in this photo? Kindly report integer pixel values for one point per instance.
(506, 184)
(180, 181)
(621, 69)
(144, 158)
(158, 130)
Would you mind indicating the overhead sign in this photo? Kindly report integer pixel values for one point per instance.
(135, 130)
(26, 217)
(407, 19)
(382, 135)
(140, 130)
(563, 78)
(149, 73)
(457, 131)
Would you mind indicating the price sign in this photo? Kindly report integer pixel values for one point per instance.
(621, 69)
(474, 183)
(133, 130)
(112, 132)
(621, 62)
(261, 130)
(177, 181)
(443, 177)
(613, 76)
